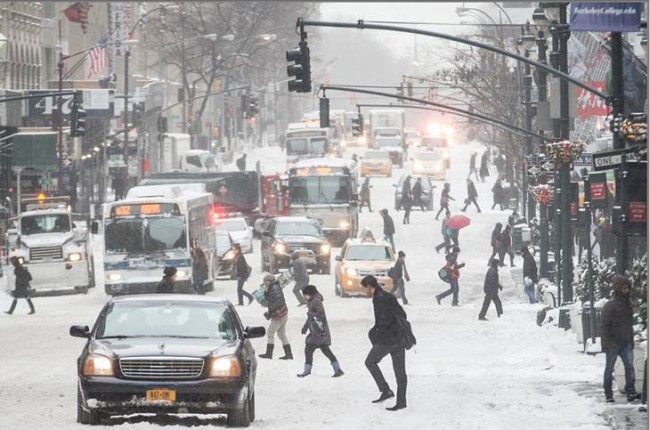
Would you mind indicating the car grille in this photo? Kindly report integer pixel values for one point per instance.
(156, 367)
(363, 272)
(45, 252)
(296, 247)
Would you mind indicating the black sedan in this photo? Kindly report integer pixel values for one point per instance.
(167, 354)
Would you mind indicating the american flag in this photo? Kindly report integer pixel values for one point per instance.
(98, 57)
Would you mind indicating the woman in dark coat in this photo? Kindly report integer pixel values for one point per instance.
(199, 269)
(491, 289)
(495, 240)
(21, 290)
(505, 245)
(483, 171)
(497, 194)
(319, 332)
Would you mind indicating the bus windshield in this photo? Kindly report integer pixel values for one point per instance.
(144, 235)
(307, 146)
(320, 189)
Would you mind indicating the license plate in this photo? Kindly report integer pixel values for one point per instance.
(164, 395)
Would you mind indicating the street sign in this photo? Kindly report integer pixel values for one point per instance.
(534, 170)
(606, 160)
(584, 159)
(548, 166)
(97, 103)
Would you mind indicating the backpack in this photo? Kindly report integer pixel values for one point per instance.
(405, 332)
(391, 273)
(249, 270)
(443, 273)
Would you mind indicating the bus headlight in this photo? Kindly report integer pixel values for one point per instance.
(114, 277)
(325, 248)
(74, 257)
(351, 272)
(225, 367)
(344, 224)
(280, 248)
(98, 365)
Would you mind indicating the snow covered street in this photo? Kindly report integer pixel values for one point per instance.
(506, 373)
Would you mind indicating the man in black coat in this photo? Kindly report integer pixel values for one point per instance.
(242, 273)
(491, 288)
(21, 290)
(385, 339)
(530, 271)
(617, 337)
(472, 195)
(416, 192)
(241, 163)
(400, 276)
(389, 228)
(168, 282)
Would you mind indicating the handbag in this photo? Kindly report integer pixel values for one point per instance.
(317, 326)
(443, 273)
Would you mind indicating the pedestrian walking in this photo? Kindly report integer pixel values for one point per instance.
(530, 274)
(446, 233)
(400, 276)
(199, 269)
(241, 163)
(505, 246)
(389, 228)
(472, 195)
(406, 192)
(364, 194)
(278, 313)
(385, 339)
(21, 286)
(491, 287)
(453, 268)
(319, 336)
(484, 171)
(407, 200)
(472, 166)
(167, 284)
(495, 241)
(617, 337)
(243, 272)
(416, 192)
(444, 199)
(300, 276)
(497, 194)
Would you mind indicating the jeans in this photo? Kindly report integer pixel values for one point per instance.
(444, 207)
(278, 326)
(309, 352)
(530, 292)
(611, 353)
(241, 293)
(389, 238)
(397, 355)
(453, 289)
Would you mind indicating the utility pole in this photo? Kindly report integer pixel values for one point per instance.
(543, 208)
(127, 54)
(59, 119)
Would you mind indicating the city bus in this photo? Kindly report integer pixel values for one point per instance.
(144, 235)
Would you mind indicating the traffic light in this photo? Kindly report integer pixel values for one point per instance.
(77, 116)
(615, 124)
(324, 112)
(161, 127)
(253, 107)
(301, 68)
(243, 105)
(138, 113)
(357, 125)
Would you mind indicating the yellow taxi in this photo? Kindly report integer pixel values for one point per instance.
(376, 163)
(361, 257)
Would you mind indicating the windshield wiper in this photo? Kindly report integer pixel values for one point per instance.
(118, 337)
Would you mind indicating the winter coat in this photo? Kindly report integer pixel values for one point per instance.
(299, 269)
(616, 323)
(275, 301)
(505, 242)
(444, 197)
(241, 163)
(497, 193)
(364, 194)
(417, 191)
(400, 271)
(389, 225)
(23, 277)
(166, 286)
(483, 172)
(472, 161)
(471, 191)
(406, 189)
(316, 309)
(496, 237)
(452, 265)
(491, 285)
(199, 269)
(530, 267)
(385, 330)
(241, 266)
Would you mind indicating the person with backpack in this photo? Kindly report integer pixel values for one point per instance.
(300, 276)
(453, 269)
(400, 276)
(491, 287)
(278, 313)
(319, 332)
(444, 199)
(21, 288)
(386, 339)
(243, 272)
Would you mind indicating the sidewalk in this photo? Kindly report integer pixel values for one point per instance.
(620, 415)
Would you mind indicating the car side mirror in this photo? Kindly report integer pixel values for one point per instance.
(253, 332)
(94, 227)
(80, 331)
(338, 258)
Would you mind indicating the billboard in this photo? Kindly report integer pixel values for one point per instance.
(619, 17)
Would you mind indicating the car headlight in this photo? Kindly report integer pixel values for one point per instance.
(351, 272)
(229, 255)
(98, 365)
(363, 140)
(225, 367)
(417, 165)
(280, 248)
(343, 143)
(344, 224)
(74, 257)
(114, 277)
(325, 248)
(182, 274)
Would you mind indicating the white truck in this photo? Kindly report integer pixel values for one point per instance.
(198, 161)
(385, 122)
(55, 250)
(174, 145)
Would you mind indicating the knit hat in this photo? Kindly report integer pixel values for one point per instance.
(169, 271)
(310, 290)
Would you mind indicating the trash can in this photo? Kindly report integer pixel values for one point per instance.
(564, 319)
(520, 237)
(587, 330)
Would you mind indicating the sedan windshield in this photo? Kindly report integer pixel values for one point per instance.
(143, 235)
(298, 229)
(367, 252)
(166, 319)
(54, 223)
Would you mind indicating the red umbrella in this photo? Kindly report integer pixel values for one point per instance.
(458, 221)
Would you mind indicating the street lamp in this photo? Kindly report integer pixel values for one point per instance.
(539, 19)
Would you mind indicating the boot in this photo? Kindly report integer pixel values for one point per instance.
(287, 353)
(337, 369)
(269, 351)
(305, 372)
(12, 307)
(31, 307)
